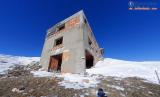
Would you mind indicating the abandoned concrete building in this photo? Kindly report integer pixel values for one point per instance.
(70, 46)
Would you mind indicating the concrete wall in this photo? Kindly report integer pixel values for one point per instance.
(93, 48)
(72, 48)
(75, 41)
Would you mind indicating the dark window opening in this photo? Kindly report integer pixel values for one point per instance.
(61, 27)
(55, 63)
(85, 21)
(89, 41)
(102, 51)
(89, 59)
(58, 41)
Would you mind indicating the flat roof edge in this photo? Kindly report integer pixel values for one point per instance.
(65, 20)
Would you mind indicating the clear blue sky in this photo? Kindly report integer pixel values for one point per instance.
(124, 34)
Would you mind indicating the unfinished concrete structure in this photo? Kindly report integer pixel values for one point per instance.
(70, 46)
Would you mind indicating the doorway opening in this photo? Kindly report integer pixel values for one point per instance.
(55, 63)
(89, 59)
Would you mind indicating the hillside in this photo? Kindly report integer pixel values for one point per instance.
(121, 68)
(7, 61)
(118, 78)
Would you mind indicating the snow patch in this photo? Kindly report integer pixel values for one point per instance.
(8, 60)
(120, 68)
(116, 87)
(75, 81)
(81, 95)
(42, 73)
(78, 81)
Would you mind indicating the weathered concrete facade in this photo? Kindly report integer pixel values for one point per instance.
(70, 46)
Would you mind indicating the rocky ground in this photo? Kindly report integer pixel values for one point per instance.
(19, 82)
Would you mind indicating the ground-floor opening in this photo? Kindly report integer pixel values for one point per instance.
(89, 59)
(55, 63)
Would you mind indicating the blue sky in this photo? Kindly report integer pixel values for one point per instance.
(124, 34)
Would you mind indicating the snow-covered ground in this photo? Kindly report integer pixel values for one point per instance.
(8, 60)
(107, 67)
(42, 73)
(120, 68)
(77, 81)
